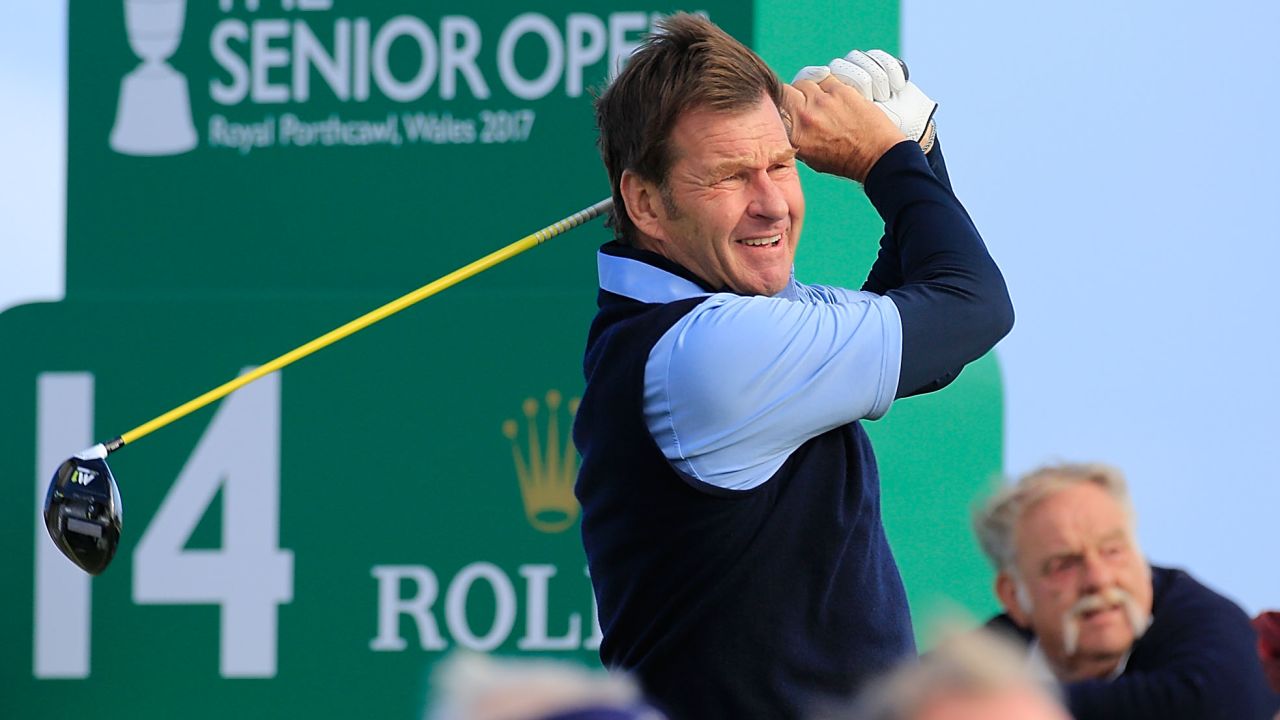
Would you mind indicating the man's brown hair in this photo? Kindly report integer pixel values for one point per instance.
(687, 63)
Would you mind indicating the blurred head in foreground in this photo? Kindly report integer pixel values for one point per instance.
(969, 676)
(1069, 569)
(477, 687)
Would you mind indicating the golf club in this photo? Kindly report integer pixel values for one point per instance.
(82, 509)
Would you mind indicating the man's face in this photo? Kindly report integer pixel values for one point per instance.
(731, 207)
(1088, 586)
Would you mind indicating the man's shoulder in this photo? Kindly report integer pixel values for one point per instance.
(1178, 597)
(1004, 626)
(624, 321)
(1187, 613)
(1175, 588)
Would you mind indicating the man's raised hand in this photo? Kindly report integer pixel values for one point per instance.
(874, 76)
(905, 104)
(834, 127)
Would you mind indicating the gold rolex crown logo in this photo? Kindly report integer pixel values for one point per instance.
(546, 478)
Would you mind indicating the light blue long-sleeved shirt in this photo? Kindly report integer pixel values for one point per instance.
(734, 387)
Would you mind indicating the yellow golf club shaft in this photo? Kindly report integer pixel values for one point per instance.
(365, 321)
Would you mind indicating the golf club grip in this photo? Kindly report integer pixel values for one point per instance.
(369, 318)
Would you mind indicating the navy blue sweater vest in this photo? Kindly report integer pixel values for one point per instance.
(729, 604)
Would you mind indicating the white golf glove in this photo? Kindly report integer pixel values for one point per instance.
(882, 79)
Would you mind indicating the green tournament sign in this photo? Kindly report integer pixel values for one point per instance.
(245, 175)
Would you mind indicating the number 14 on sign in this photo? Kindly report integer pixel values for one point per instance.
(248, 577)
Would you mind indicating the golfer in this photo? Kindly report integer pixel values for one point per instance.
(731, 502)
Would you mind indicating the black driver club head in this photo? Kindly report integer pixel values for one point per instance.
(82, 511)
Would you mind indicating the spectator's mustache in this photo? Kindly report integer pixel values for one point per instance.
(1094, 602)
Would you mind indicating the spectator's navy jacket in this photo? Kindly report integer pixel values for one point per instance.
(731, 501)
(1197, 661)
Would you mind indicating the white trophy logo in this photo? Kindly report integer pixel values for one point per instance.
(154, 114)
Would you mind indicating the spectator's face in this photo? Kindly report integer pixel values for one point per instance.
(732, 208)
(1012, 704)
(1088, 586)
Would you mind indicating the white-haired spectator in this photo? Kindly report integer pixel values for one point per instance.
(477, 687)
(1124, 638)
(972, 676)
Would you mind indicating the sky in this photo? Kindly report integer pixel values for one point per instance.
(1117, 158)
(33, 82)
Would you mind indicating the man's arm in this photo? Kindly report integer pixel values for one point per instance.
(734, 387)
(952, 298)
(886, 271)
(950, 295)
